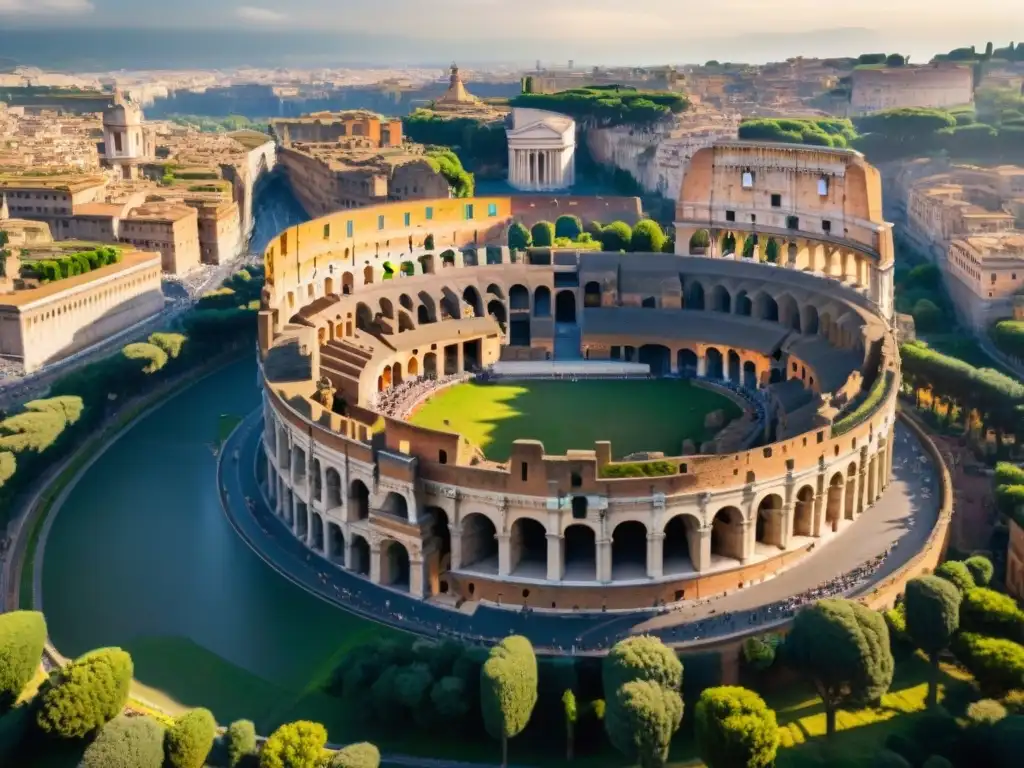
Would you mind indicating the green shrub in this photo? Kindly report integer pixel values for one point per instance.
(985, 712)
(647, 237)
(240, 742)
(295, 745)
(988, 612)
(896, 619)
(1014, 702)
(997, 664)
(22, 638)
(981, 569)
(735, 727)
(156, 358)
(758, 654)
(957, 573)
(126, 742)
(189, 740)
(171, 343)
(568, 226)
(363, 755)
(543, 234)
(638, 469)
(519, 237)
(85, 694)
(617, 236)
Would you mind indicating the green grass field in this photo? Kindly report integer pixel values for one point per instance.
(655, 415)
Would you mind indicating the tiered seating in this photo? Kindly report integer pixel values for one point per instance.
(343, 361)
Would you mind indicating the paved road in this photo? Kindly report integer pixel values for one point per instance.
(900, 521)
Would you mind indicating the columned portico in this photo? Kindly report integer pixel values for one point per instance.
(541, 150)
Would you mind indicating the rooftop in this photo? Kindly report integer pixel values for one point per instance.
(161, 212)
(129, 260)
(63, 183)
(1009, 243)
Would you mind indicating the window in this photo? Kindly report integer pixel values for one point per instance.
(468, 212)
(826, 225)
(748, 179)
(993, 277)
(524, 471)
(792, 222)
(430, 212)
(776, 201)
(380, 222)
(753, 218)
(442, 456)
(730, 215)
(575, 480)
(823, 186)
(492, 209)
(327, 231)
(348, 229)
(407, 219)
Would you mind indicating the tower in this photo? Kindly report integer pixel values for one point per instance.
(123, 135)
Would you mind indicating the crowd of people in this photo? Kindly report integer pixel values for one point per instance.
(398, 401)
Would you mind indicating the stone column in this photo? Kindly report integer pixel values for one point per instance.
(702, 561)
(511, 165)
(787, 525)
(749, 534)
(455, 536)
(820, 504)
(655, 552)
(604, 560)
(556, 557)
(840, 511)
(879, 462)
(416, 578)
(271, 477)
(375, 563)
(702, 365)
(725, 364)
(854, 481)
(504, 554)
(460, 358)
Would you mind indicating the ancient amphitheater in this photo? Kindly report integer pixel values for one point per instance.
(362, 303)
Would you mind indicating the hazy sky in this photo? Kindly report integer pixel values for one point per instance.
(918, 26)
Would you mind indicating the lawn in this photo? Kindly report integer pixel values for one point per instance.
(654, 415)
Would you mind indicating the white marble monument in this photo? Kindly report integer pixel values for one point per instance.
(541, 150)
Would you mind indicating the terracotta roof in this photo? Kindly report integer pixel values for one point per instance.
(129, 260)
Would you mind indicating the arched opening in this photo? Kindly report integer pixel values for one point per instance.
(809, 319)
(789, 313)
(713, 364)
(387, 309)
(368, 275)
(695, 296)
(328, 286)
(771, 251)
(318, 490)
(769, 526)
(495, 290)
(359, 501)
(408, 268)
(427, 311)
(699, 242)
(426, 263)
(686, 362)
(396, 505)
(450, 306)
(528, 549)
(423, 315)
(803, 512)
(676, 553)
(750, 375)
(592, 294)
(542, 302)
(851, 507)
(496, 309)
(479, 543)
(729, 244)
(364, 317)
(629, 551)
(430, 365)
(347, 284)
(413, 367)
(580, 553)
(405, 322)
(743, 305)
(384, 382)
(721, 301)
(472, 297)
(836, 496)
(301, 520)
(734, 365)
(727, 534)
(405, 302)
(394, 564)
(447, 258)
(333, 488)
(360, 556)
(316, 538)
(519, 298)
(766, 308)
(335, 544)
(442, 536)
(748, 246)
(658, 357)
(565, 307)
(649, 302)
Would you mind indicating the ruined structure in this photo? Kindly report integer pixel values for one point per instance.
(933, 85)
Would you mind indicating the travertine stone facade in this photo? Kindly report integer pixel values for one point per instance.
(541, 150)
(173, 230)
(44, 324)
(925, 86)
(985, 273)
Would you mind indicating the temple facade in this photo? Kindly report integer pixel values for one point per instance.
(541, 150)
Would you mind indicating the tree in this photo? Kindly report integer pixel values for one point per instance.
(189, 740)
(997, 664)
(543, 234)
(988, 612)
(449, 698)
(647, 715)
(156, 358)
(22, 639)
(735, 729)
(895, 60)
(568, 226)
(240, 740)
(8, 466)
(519, 238)
(126, 742)
(171, 343)
(956, 573)
(571, 716)
(647, 237)
(294, 745)
(927, 315)
(85, 694)
(616, 236)
(508, 689)
(981, 569)
(362, 755)
(842, 648)
(428, 243)
(933, 615)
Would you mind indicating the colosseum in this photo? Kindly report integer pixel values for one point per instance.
(779, 297)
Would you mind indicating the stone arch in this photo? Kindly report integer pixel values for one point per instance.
(770, 522)
(450, 309)
(714, 367)
(335, 544)
(413, 367)
(836, 496)
(316, 533)
(658, 357)
(629, 550)
(519, 297)
(368, 275)
(743, 305)
(318, 490)
(528, 553)
(727, 531)
(427, 310)
(809, 319)
(592, 294)
(394, 564)
(789, 312)
(396, 505)
(358, 501)
(699, 242)
(430, 365)
(496, 290)
(405, 302)
(364, 317)
(766, 308)
(396, 374)
(479, 542)
(721, 301)
(734, 367)
(851, 505)
(333, 489)
(387, 308)
(328, 286)
(749, 379)
(803, 512)
(542, 302)
(405, 322)
(729, 244)
(347, 284)
(360, 555)
(695, 295)
(679, 545)
(472, 297)
(565, 307)
(580, 553)
(441, 534)
(686, 361)
(496, 309)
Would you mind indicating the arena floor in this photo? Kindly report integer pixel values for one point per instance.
(644, 415)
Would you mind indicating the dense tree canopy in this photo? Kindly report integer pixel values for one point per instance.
(617, 236)
(842, 648)
(508, 689)
(543, 234)
(607, 105)
(647, 237)
(825, 132)
(126, 742)
(988, 612)
(957, 573)
(519, 237)
(85, 694)
(294, 745)
(981, 569)
(646, 717)
(568, 226)
(22, 639)
(735, 729)
(362, 755)
(190, 738)
(933, 615)
(240, 742)
(996, 663)
(154, 356)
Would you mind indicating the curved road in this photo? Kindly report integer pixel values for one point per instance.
(899, 522)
